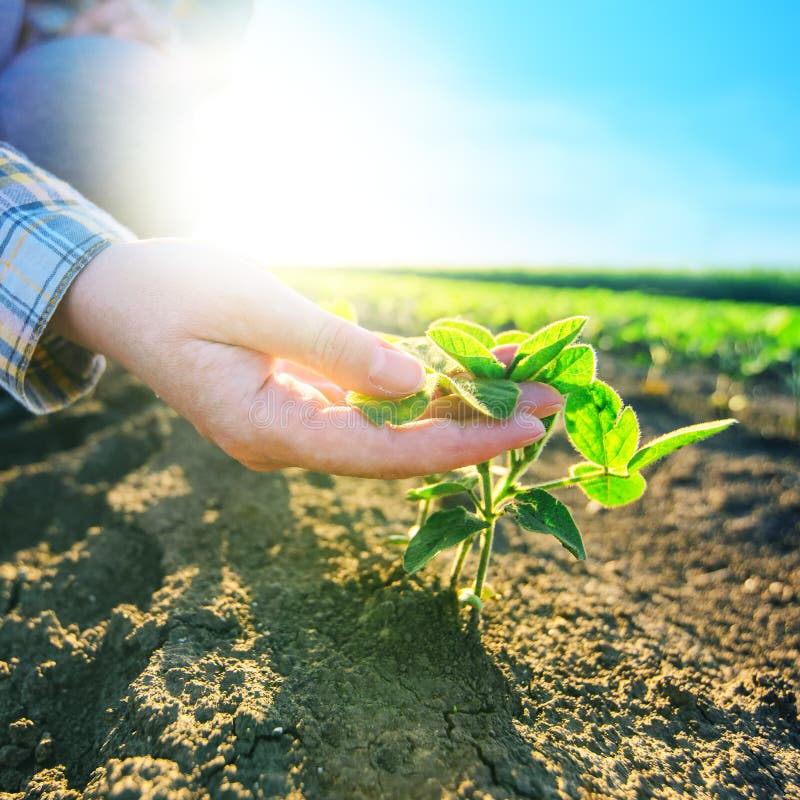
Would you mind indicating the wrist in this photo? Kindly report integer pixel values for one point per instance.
(136, 302)
(83, 304)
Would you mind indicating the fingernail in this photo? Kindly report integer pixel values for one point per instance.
(533, 426)
(395, 372)
(550, 408)
(532, 408)
(540, 399)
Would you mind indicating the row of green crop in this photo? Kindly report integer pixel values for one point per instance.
(763, 286)
(739, 339)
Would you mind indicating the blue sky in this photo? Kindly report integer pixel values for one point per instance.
(528, 132)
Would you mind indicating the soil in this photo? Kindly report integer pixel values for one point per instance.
(174, 626)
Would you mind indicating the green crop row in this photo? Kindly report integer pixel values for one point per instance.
(735, 338)
(755, 285)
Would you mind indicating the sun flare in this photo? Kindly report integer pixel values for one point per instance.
(302, 171)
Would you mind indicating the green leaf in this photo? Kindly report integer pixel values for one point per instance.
(483, 335)
(493, 397)
(585, 468)
(428, 353)
(669, 442)
(589, 415)
(467, 351)
(379, 411)
(537, 510)
(441, 530)
(444, 488)
(511, 337)
(622, 440)
(573, 368)
(543, 346)
(610, 490)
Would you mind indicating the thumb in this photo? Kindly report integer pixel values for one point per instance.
(283, 323)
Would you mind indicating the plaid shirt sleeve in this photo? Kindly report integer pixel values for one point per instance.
(48, 233)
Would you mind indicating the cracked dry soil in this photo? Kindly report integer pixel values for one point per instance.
(176, 627)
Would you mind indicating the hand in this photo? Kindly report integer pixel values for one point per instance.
(261, 371)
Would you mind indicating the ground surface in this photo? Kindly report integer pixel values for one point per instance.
(172, 626)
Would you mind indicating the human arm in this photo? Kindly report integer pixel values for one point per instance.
(258, 369)
(48, 234)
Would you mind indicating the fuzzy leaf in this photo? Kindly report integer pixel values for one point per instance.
(493, 397)
(669, 442)
(543, 346)
(379, 411)
(441, 530)
(511, 337)
(590, 414)
(610, 490)
(428, 353)
(483, 335)
(573, 368)
(467, 351)
(537, 510)
(622, 440)
(444, 488)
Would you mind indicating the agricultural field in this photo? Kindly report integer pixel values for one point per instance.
(174, 626)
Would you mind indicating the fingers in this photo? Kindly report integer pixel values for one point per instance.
(450, 406)
(505, 352)
(279, 321)
(291, 429)
(538, 399)
(268, 419)
(342, 442)
(330, 390)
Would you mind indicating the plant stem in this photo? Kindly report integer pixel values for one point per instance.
(425, 509)
(484, 506)
(563, 483)
(422, 513)
(486, 551)
(488, 535)
(485, 470)
(458, 562)
(503, 500)
(521, 460)
(568, 481)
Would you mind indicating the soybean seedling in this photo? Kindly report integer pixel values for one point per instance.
(462, 369)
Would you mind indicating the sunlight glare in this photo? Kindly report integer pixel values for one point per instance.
(294, 164)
